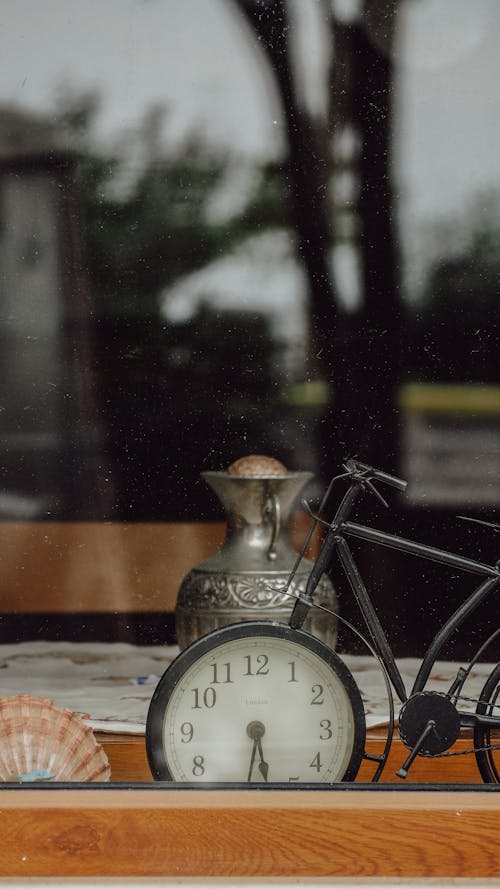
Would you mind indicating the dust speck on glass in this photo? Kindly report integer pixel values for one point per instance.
(255, 229)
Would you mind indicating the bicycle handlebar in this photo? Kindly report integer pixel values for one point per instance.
(355, 467)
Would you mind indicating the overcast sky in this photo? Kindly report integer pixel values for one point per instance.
(191, 54)
(195, 55)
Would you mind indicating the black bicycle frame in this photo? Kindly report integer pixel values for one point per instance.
(430, 553)
(335, 541)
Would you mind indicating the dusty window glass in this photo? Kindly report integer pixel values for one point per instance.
(235, 228)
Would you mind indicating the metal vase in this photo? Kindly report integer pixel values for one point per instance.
(242, 580)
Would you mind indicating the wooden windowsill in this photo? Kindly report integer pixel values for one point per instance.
(360, 830)
(175, 832)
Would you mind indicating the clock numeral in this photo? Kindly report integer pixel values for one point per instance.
(198, 766)
(326, 725)
(187, 732)
(293, 678)
(316, 763)
(207, 699)
(221, 673)
(317, 691)
(259, 667)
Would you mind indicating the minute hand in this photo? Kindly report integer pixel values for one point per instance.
(252, 760)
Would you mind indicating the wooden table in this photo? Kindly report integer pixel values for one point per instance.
(128, 761)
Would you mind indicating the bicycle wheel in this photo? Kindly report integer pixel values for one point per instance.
(488, 761)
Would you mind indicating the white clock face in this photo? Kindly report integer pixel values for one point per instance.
(260, 708)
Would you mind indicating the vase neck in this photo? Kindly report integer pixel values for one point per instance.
(259, 500)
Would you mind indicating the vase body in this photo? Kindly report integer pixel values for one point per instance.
(242, 581)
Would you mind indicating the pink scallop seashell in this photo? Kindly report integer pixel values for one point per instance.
(40, 741)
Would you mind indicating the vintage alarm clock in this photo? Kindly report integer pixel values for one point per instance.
(257, 701)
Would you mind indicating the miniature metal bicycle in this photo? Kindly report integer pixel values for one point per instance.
(429, 721)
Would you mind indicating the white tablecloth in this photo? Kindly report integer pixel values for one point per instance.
(110, 685)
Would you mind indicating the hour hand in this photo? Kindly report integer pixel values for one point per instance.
(263, 765)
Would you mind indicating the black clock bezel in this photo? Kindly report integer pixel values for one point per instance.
(173, 674)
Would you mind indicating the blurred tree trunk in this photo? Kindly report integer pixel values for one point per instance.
(362, 88)
(358, 352)
(308, 168)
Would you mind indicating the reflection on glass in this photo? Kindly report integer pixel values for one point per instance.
(239, 231)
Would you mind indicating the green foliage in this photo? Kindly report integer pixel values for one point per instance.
(463, 286)
(146, 229)
(142, 241)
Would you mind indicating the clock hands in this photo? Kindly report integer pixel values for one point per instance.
(256, 730)
(252, 760)
(263, 766)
